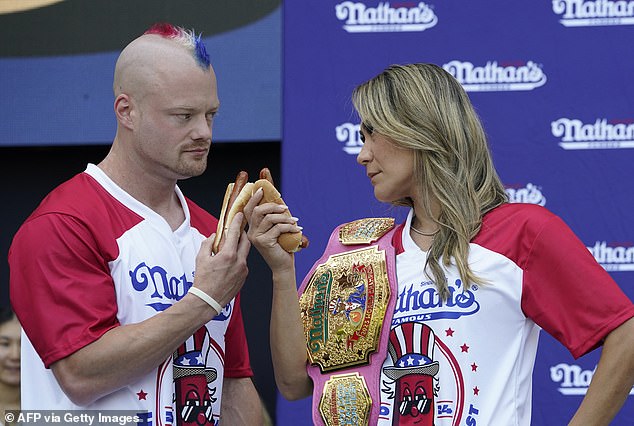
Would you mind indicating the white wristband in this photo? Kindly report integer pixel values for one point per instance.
(207, 298)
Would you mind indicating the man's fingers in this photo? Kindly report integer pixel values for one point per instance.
(206, 245)
(232, 235)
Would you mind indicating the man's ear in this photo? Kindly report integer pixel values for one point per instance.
(123, 110)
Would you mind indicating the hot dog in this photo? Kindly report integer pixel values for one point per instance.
(234, 203)
(265, 173)
(286, 240)
(228, 211)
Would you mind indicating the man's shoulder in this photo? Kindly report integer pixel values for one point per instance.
(201, 219)
(69, 196)
(83, 200)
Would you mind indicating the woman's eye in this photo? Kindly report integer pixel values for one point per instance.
(362, 137)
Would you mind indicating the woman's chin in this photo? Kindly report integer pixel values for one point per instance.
(384, 198)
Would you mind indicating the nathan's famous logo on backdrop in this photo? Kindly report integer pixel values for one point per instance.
(348, 135)
(615, 256)
(531, 194)
(494, 76)
(592, 13)
(602, 134)
(572, 379)
(385, 17)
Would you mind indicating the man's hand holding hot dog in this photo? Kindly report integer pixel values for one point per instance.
(222, 275)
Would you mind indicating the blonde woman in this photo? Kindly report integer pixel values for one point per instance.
(435, 321)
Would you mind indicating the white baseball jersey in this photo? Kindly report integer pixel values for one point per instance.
(91, 258)
(469, 360)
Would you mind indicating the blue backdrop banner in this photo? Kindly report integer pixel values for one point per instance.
(552, 84)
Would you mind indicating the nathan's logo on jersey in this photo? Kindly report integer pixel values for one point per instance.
(164, 288)
(614, 256)
(602, 134)
(497, 77)
(572, 379)
(406, 16)
(531, 194)
(348, 134)
(580, 13)
(421, 302)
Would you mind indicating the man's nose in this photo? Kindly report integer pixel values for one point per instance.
(202, 129)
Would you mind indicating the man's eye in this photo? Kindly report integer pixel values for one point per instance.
(185, 116)
(210, 116)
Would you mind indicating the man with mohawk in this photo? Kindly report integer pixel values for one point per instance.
(112, 277)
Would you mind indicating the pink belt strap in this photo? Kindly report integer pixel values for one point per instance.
(370, 373)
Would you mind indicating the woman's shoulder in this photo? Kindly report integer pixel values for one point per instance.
(524, 212)
(517, 220)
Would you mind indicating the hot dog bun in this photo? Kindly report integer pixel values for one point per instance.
(237, 198)
(229, 208)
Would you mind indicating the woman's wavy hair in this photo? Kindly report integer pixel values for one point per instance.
(423, 108)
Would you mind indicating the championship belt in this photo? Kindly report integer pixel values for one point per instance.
(345, 301)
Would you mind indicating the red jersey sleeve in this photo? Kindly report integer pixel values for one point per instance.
(567, 293)
(61, 288)
(237, 363)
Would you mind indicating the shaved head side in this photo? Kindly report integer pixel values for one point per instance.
(188, 39)
(161, 48)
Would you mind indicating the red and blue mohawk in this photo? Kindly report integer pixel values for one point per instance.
(186, 38)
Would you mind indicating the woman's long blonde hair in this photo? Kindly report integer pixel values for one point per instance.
(423, 108)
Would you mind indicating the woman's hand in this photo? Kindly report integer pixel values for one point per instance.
(266, 223)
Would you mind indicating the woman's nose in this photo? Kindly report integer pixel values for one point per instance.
(365, 155)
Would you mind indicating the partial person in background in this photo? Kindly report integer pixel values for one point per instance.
(9, 362)
(435, 321)
(112, 276)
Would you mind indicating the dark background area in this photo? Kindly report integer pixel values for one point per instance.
(29, 173)
(54, 29)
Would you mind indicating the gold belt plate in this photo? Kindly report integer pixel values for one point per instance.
(345, 400)
(343, 307)
(365, 231)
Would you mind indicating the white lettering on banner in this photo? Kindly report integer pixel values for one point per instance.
(613, 257)
(601, 134)
(531, 194)
(572, 379)
(384, 18)
(495, 77)
(581, 13)
(348, 134)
